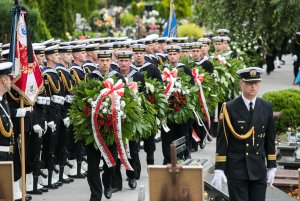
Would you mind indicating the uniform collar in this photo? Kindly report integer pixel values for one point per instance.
(247, 102)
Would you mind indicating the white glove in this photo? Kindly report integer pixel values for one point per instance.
(271, 175)
(222, 60)
(218, 178)
(52, 125)
(295, 58)
(66, 122)
(45, 127)
(21, 112)
(38, 129)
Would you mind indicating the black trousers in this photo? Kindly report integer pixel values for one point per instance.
(93, 172)
(244, 190)
(176, 131)
(117, 177)
(108, 172)
(134, 161)
(5, 156)
(149, 147)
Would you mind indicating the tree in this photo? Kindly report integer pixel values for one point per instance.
(270, 20)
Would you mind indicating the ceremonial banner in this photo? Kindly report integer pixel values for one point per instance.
(171, 28)
(27, 75)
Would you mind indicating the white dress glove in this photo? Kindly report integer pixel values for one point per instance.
(38, 129)
(52, 125)
(271, 175)
(21, 112)
(66, 122)
(218, 179)
(295, 58)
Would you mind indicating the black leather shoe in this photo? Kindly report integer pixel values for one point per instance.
(132, 183)
(107, 193)
(44, 190)
(114, 190)
(58, 183)
(78, 176)
(64, 181)
(35, 192)
(27, 198)
(70, 180)
(52, 186)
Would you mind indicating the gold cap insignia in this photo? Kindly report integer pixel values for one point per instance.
(252, 73)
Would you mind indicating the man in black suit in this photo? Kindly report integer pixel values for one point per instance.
(245, 142)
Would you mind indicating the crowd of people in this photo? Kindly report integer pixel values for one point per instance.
(53, 157)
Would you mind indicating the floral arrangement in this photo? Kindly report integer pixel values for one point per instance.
(155, 95)
(109, 112)
(181, 96)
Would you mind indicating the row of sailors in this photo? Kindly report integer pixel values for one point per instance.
(50, 116)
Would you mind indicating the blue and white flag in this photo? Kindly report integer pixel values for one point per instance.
(172, 30)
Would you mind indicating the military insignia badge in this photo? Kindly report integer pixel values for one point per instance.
(252, 73)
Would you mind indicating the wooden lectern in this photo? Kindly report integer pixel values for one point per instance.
(174, 182)
(6, 181)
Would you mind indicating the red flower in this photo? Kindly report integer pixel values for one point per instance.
(176, 94)
(108, 117)
(101, 122)
(176, 107)
(108, 124)
(151, 99)
(87, 111)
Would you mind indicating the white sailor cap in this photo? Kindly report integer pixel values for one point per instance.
(223, 32)
(5, 68)
(92, 47)
(5, 53)
(124, 54)
(138, 48)
(39, 49)
(50, 42)
(79, 48)
(65, 49)
(180, 40)
(6, 46)
(173, 48)
(217, 39)
(206, 41)
(104, 53)
(52, 49)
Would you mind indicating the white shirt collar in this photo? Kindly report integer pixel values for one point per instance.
(247, 102)
(1, 98)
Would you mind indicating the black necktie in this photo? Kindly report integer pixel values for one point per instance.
(251, 108)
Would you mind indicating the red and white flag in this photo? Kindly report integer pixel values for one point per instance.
(27, 75)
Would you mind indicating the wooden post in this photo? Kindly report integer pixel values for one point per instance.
(22, 151)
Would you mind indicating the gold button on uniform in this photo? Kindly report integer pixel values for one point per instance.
(247, 145)
(257, 153)
(257, 145)
(242, 127)
(247, 154)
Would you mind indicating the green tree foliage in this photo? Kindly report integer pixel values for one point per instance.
(191, 30)
(183, 9)
(269, 19)
(36, 26)
(56, 18)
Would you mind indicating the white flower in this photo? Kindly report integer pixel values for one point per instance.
(90, 100)
(105, 104)
(139, 100)
(178, 84)
(104, 111)
(228, 75)
(183, 92)
(187, 91)
(123, 116)
(249, 44)
(149, 87)
(123, 104)
(179, 90)
(121, 113)
(255, 47)
(107, 99)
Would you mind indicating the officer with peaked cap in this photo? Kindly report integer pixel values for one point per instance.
(245, 149)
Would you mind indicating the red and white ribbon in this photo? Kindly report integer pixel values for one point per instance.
(171, 78)
(199, 78)
(114, 92)
(195, 136)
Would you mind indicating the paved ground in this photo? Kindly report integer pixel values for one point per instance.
(79, 190)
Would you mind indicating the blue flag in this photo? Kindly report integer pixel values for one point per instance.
(172, 31)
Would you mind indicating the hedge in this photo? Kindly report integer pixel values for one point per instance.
(287, 102)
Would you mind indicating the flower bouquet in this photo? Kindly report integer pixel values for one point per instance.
(104, 113)
(181, 96)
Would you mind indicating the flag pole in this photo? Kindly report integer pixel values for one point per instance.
(23, 150)
(170, 17)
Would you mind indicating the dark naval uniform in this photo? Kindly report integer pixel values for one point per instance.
(153, 73)
(162, 58)
(151, 58)
(133, 146)
(66, 132)
(244, 160)
(6, 132)
(51, 143)
(205, 64)
(77, 73)
(94, 157)
(114, 65)
(177, 130)
(296, 51)
(88, 66)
